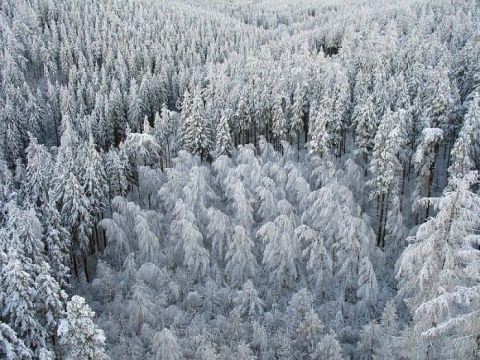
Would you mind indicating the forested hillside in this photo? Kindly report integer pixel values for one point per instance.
(239, 179)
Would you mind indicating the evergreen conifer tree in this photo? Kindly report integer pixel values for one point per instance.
(80, 338)
(224, 144)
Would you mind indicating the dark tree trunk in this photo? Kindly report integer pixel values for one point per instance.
(429, 193)
(385, 215)
(381, 201)
(430, 181)
(104, 239)
(306, 116)
(117, 135)
(55, 120)
(298, 145)
(85, 266)
(75, 265)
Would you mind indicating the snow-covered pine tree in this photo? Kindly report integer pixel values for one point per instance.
(219, 231)
(148, 243)
(282, 250)
(424, 163)
(95, 185)
(396, 230)
(14, 131)
(319, 266)
(355, 243)
(279, 120)
(77, 219)
(322, 142)
(367, 288)
(240, 261)
(50, 301)
(6, 189)
(466, 150)
(164, 130)
(268, 209)
(365, 125)
(224, 145)
(197, 135)
(57, 241)
(25, 226)
(12, 347)
(328, 348)
(39, 173)
(165, 346)
(116, 174)
(385, 168)
(438, 274)
(136, 106)
(18, 307)
(462, 154)
(241, 126)
(66, 161)
(79, 337)
(370, 341)
(298, 111)
(185, 117)
(116, 110)
(94, 178)
(341, 109)
(198, 193)
(142, 149)
(308, 334)
(118, 245)
(196, 257)
(247, 302)
(242, 208)
(389, 331)
(438, 98)
(244, 352)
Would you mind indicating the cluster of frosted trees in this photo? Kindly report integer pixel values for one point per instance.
(223, 180)
(237, 248)
(253, 256)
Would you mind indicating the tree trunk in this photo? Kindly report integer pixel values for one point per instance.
(306, 116)
(385, 215)
(429, 193)
(167, 155)
(94, 240)
(242, 132)
(255, 136)
(381, 200)
(298, 145)
(56, 130)
(430, 181)
(403, 179)
(75, 266)
(104, 239)
(344, 142)
(85, 266)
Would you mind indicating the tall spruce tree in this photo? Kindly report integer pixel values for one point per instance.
(224, 144)
(197, 135)
(80, 338)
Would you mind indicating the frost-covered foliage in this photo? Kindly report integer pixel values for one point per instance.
(241, 263)
(230, 179)
(12, 347)
(438, 273)
(164, 265)
(79, 336)
(165, 346)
